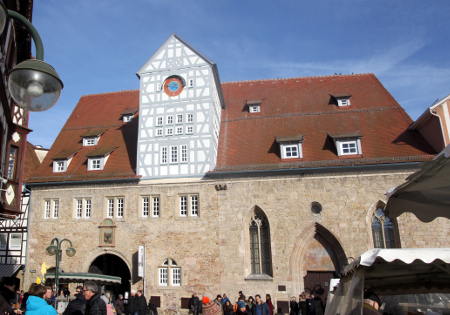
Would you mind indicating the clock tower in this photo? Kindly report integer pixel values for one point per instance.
(179, 113)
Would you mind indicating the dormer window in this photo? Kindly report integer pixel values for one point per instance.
(290, 147)
(97, 158)
(92, 137)
(59, 166)
(128, 114)
(95, 164)
(90, 141)
(342, 100)
(61, 161)
(253, 106)
(347, 144)
(127, 118)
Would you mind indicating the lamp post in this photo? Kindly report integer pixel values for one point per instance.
(33, 84)
(55, 249)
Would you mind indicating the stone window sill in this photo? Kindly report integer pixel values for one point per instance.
(259, 277)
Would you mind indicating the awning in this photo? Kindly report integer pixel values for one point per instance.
(403, 270)
(426, 193)
(85, 276)
(9, 270)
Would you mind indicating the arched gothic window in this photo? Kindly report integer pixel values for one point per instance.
(169, 273)
(383, 230)
(260, 252)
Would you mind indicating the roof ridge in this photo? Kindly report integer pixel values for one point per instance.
(114, 92)
(302, 78)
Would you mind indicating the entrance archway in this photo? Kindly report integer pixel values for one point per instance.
(317, 257)
(112, 265)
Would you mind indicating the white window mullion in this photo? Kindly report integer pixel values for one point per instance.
(163, 276)
(155, 206)
(145, 206)
(183, 205)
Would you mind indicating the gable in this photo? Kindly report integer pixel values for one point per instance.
(174, 53)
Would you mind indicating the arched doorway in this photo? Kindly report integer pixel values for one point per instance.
(322, 258)
(112, 265)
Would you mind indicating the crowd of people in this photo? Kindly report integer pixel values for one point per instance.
(308, 304)
(87, 300)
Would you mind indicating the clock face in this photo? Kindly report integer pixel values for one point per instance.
(173, 86)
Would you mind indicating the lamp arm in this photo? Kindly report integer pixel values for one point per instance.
(67, 240)
(34, 33)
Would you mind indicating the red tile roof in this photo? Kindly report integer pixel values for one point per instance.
(289, 107)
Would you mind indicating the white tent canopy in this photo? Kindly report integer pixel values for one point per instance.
(426, 193)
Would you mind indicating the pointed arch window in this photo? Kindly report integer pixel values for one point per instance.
(383, 230)
(260, 251)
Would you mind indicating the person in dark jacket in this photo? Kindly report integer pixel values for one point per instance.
(141, 303)
(194, 304)
(293, 306)
(250, 305)
(78, 305)
(302, 307)
(228, 308)
(94, 304)
(7, 295)
(132, 303)
(119, 305)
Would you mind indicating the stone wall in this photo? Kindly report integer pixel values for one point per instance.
(213, 249)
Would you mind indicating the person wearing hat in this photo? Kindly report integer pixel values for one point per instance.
(210, 307)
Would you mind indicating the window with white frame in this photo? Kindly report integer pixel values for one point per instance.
(59, 166)
(291, 150)
(115, 207)
(96, 163)
(155, 206)
(189, 205)
(163, 276)
(169, 119)
(179, 130)
(51, 208)
(15, 241)
(159, 120)
(150, 206)
(184, 153)
(169, 131)
(83, 208)
(90, 141)
(190, 83)
(145, 206)
(169, 273)
(254, 108)
(189, 130)
(179, 118)
(348, 146)
(174, 154)
(164, 155)
(194, 205)
(343, 101)
(159, 132)
(190, 118)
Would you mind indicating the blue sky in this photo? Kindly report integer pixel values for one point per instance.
(97, 46)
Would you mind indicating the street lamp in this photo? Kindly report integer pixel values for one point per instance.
(33, 84)
(55, 249)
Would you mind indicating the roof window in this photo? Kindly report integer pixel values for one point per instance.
(61, 161)
(253, 106)
(347, 144)
(97, 158)
(128, 114)
(342, 100)
(291, 147)
(90, 141)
